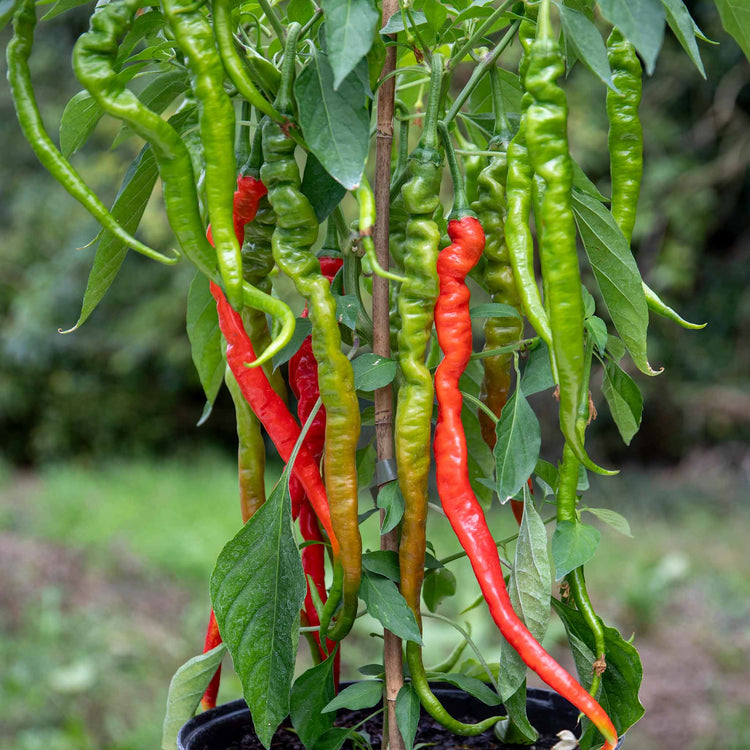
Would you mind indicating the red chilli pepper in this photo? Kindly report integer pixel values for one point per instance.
(453, 325)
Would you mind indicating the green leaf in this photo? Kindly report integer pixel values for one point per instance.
(367, 459)
(616, 274)
(385, 604)
(302, 329)
(537, 375)
(529, 590)
(439, 584)
(587, 43)
(735, 17)
(641, 22)
(257, 590)
(144, 26)
(363, 694)
(311, 692)
(186, 690)
(396, 23)
(621, 680)
(60, 7)
(683, 27)
(480, 460)
(79, 118)
(372, 372)
(350, 26)
(335, 123)
(494, 310)
(583, 184)
(435, 13)
(392, 502)
(573, 544)
(615, 348)
(517, 448)
(598, 330)
(546, 475)
(382, 562)
(624, 399)
(300, 11)
(474, 687)
(612, 518)
(205, 337)
(7, 9)
(323, 192)
(157, 95)
(128, 209)
(347, 309)
(407, 714)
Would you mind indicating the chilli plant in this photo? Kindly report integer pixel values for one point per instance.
(265, 121)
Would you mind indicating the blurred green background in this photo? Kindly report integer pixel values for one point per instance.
(111, 498)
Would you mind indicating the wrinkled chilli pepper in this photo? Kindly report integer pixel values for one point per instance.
(547, 141)
(94, 57)
(453, 324)
(519, 190)
(295, 233)
(625, 142)
(30, 120)
(195, 38)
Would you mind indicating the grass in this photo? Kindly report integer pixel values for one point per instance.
(103, 595)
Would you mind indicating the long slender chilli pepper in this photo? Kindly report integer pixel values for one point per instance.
(213, 639)
(467, 240)
(547, 141)
(30, 120)
(295, 233)
(195, 38)
(625, 142)
(499, 280)
(519, 190)
(94, 57)
(222, 25)
(453, 324)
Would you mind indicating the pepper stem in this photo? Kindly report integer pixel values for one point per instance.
(429, 137)
(502, 130)
(243, 135)
(544, 22)
(284, 98)
(460, 201)
(254, 161)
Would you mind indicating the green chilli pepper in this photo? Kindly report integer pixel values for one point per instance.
(547, 139)
(295, 233)
(625, 142)
(94, 57)
(27, 111)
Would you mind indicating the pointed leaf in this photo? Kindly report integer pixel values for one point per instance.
(311, 692)
(257, 589)
(7, 9)
(60, 7)
(186, 690)
(347, 309)
(616, 274)
(363, 694)
(439, 584)
(587, 43)
(474, 687)
(494, 310)
(302, 330)
(407, 714)
(372, 372)
(383, 562)
(537, 375)
(323, 192)
(621, 680)
(396, 23)
(79, 118)
(573, 544)
(612, 518)
(624, 399)
(335, 123)
(385, 604)
(517, 448)
(683, 27)
(128, 209)
(529, 590)
(392, 502)
(205, 337)
(735, 17)
(641, 22)
(350, 27)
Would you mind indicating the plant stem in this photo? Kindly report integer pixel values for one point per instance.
(273, 19)
(456, 57)
(381, 345)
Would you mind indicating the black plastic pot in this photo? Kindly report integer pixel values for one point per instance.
(224, 727)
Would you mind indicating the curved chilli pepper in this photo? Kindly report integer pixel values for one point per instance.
(222, 25)
(453, 325)
(295, 233)
(195, 38)
(625, 141)
(30, 120)
(94, 57)
(547, 139)
(213, 639)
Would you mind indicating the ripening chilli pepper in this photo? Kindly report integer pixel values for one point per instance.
(625, 141)
(296, 231)
(453, 324)
(547, 141)
(30, 120)
(94, 63)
